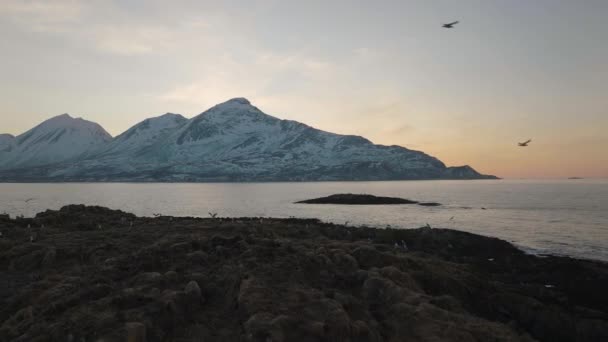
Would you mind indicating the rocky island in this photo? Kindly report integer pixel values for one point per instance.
(94, 274)
(364, 199)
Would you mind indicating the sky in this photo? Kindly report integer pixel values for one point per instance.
(386, 70)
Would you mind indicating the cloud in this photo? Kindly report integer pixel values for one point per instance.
(42, 16)
(108, 27)
(257, 77)
(131, 41)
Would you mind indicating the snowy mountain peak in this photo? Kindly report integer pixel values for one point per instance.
(239, 100)
(57, 139)
(233, 117)
(171, 115)
(139, 137)
(161, 121)
(7, 143)
(153, 126)
(233, 106)
(65, 121)
(6, 137)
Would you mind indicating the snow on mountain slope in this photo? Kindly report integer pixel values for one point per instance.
(7, 144)
(142, 135)
(235, 141)
(245, 139)
(55, 140)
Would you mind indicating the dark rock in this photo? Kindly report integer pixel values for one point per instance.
(429, 204)
(382, 291)
(259, 327)
(49, 258)
(182, 247)
(171, 277)
(136, 332)
(148, 278)
(367, 256)
(198, 257)
(193, 292)
(357, 199)
(344, 261)
(223, 241)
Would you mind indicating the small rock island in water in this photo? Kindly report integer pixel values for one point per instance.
(95, 274)
(362, 199)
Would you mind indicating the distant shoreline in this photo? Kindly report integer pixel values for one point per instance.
(237, 182)
(286, 181)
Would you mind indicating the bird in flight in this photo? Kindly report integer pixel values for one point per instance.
(525, 143)
(29, 200)
(450, 25)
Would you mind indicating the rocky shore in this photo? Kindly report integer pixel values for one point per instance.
(95, 274)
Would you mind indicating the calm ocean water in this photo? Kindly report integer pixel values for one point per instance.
(565, 217)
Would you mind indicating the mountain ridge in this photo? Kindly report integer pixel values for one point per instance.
(232, 141)
(57, 139)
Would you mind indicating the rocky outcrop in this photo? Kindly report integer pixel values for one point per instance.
(244, 279)
(357, 199)
(363, 199)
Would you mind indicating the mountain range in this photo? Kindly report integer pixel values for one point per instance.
(232, 141)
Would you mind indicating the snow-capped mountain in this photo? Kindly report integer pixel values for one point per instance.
(56, 140)
(235, 141)
(142, 135)
(7, 144)
(6, 141)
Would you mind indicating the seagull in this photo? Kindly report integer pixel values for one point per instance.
(29, 199)
(450, 25)
(525, 143)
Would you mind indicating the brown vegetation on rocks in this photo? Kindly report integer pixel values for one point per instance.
(193, 279)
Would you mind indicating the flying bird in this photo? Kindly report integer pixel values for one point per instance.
(29, 200)
(525, 143)
(450, 25)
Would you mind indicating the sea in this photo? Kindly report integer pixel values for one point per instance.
(557, 217)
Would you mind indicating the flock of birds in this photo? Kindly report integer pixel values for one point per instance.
(450, 26)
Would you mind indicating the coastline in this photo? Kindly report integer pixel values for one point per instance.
(90, 270)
